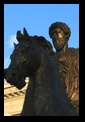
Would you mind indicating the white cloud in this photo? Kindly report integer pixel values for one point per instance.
(10, 44)
(6, 62)
(12, 40)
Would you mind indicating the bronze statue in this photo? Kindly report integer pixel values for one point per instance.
(67, 60)
(45, 94)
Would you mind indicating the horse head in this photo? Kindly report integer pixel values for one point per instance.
(24, 60)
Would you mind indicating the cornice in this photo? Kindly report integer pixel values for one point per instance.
(12, 92)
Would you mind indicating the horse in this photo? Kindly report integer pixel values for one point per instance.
(45, 93)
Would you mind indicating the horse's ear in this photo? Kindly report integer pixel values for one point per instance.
(14, 45)
(19, 36)
(25, 33)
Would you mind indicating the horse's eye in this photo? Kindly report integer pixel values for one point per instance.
(22, 51)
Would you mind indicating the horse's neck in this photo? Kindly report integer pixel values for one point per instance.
(45, 81)
(40, 88)
(45, 74)
(45, 94)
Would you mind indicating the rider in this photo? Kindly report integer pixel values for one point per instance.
(67, 60)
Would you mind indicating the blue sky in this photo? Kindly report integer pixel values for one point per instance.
(37, 18)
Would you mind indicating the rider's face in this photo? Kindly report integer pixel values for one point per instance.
(58, 38)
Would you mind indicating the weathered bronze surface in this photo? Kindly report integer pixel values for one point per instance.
(45, 94)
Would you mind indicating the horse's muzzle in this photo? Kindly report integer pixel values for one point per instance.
(13, 77)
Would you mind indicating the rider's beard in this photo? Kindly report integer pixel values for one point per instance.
(59, 43)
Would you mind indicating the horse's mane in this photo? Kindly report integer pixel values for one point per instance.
(43, 42)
